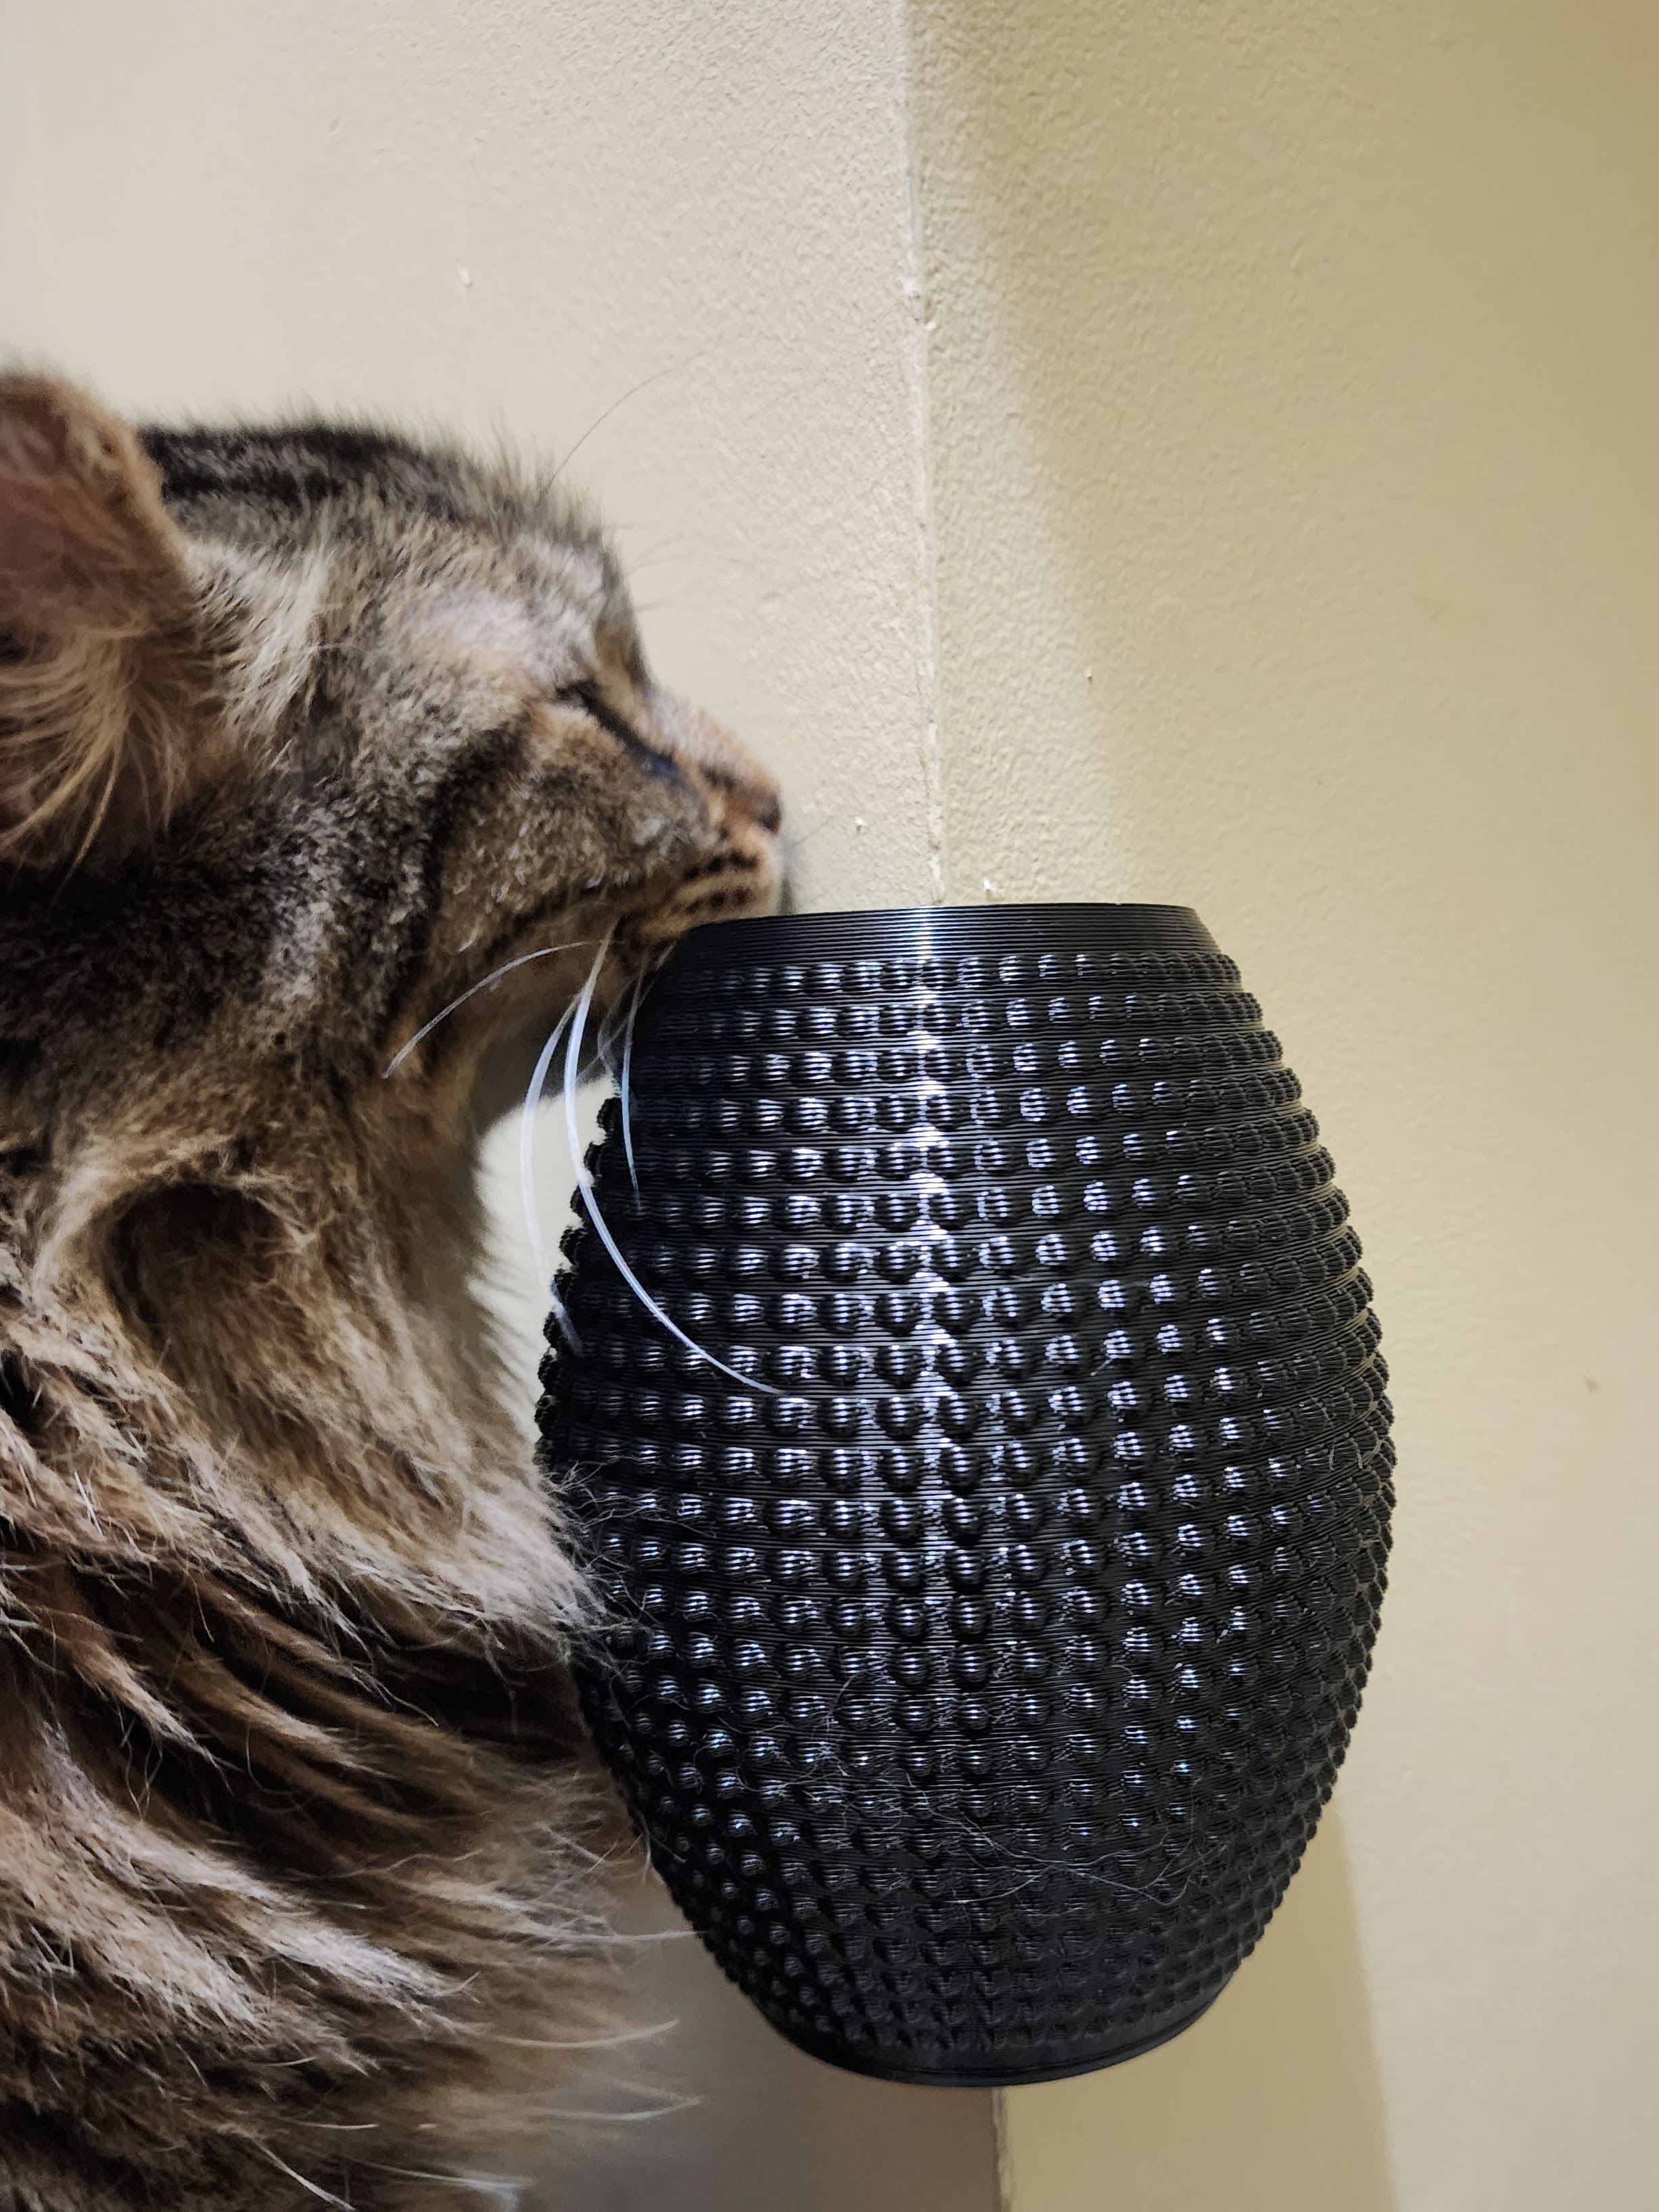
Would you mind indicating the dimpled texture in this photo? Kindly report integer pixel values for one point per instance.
(988, 1639)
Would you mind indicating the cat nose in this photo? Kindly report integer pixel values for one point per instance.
(728, 767)
(741, 779)
(759, 797)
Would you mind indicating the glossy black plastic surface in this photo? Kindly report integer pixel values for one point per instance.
(989, 1637)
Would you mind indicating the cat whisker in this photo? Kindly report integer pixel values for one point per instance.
(624, 2119)
(494, 977)
(644, 385)
(503, 2187)
(533, 1099)
(528, 1130)
(585, 1184)
(312, 2188)
(609, 1938)
(587, 2041)
(618, 1019)
(792, 845)
(623, 1084)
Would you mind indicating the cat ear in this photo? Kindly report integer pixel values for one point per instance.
(105, 685)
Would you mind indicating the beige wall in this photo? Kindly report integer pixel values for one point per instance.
(1294, 382)
(1284, 520)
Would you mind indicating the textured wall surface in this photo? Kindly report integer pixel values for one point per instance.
(1295, 467)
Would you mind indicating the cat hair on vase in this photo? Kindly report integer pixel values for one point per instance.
(304, 733)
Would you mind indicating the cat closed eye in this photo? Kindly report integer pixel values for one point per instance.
(593, 701)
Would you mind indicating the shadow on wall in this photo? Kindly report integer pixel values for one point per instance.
(770, 2129)
(1270, 2104)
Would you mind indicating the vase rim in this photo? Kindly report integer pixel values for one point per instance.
(1037, 925)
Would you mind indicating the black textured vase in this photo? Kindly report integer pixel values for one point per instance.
(991, 1619)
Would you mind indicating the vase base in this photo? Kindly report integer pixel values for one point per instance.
(992, 2074)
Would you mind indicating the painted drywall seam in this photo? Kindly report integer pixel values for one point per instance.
(915, 296)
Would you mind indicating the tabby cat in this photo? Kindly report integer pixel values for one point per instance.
(304, 733)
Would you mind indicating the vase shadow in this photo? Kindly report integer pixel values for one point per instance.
(1270, 2103)
(768, 2129)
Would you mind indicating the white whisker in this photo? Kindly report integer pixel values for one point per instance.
(494, 977)
(587, 2041)
(621, 1087)
(625, 2119)
(585, 1184)
(792, 845)
(503, 2187)
(315, 2188)
(533, 1099)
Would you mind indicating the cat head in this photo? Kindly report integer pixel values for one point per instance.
(304, 733)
